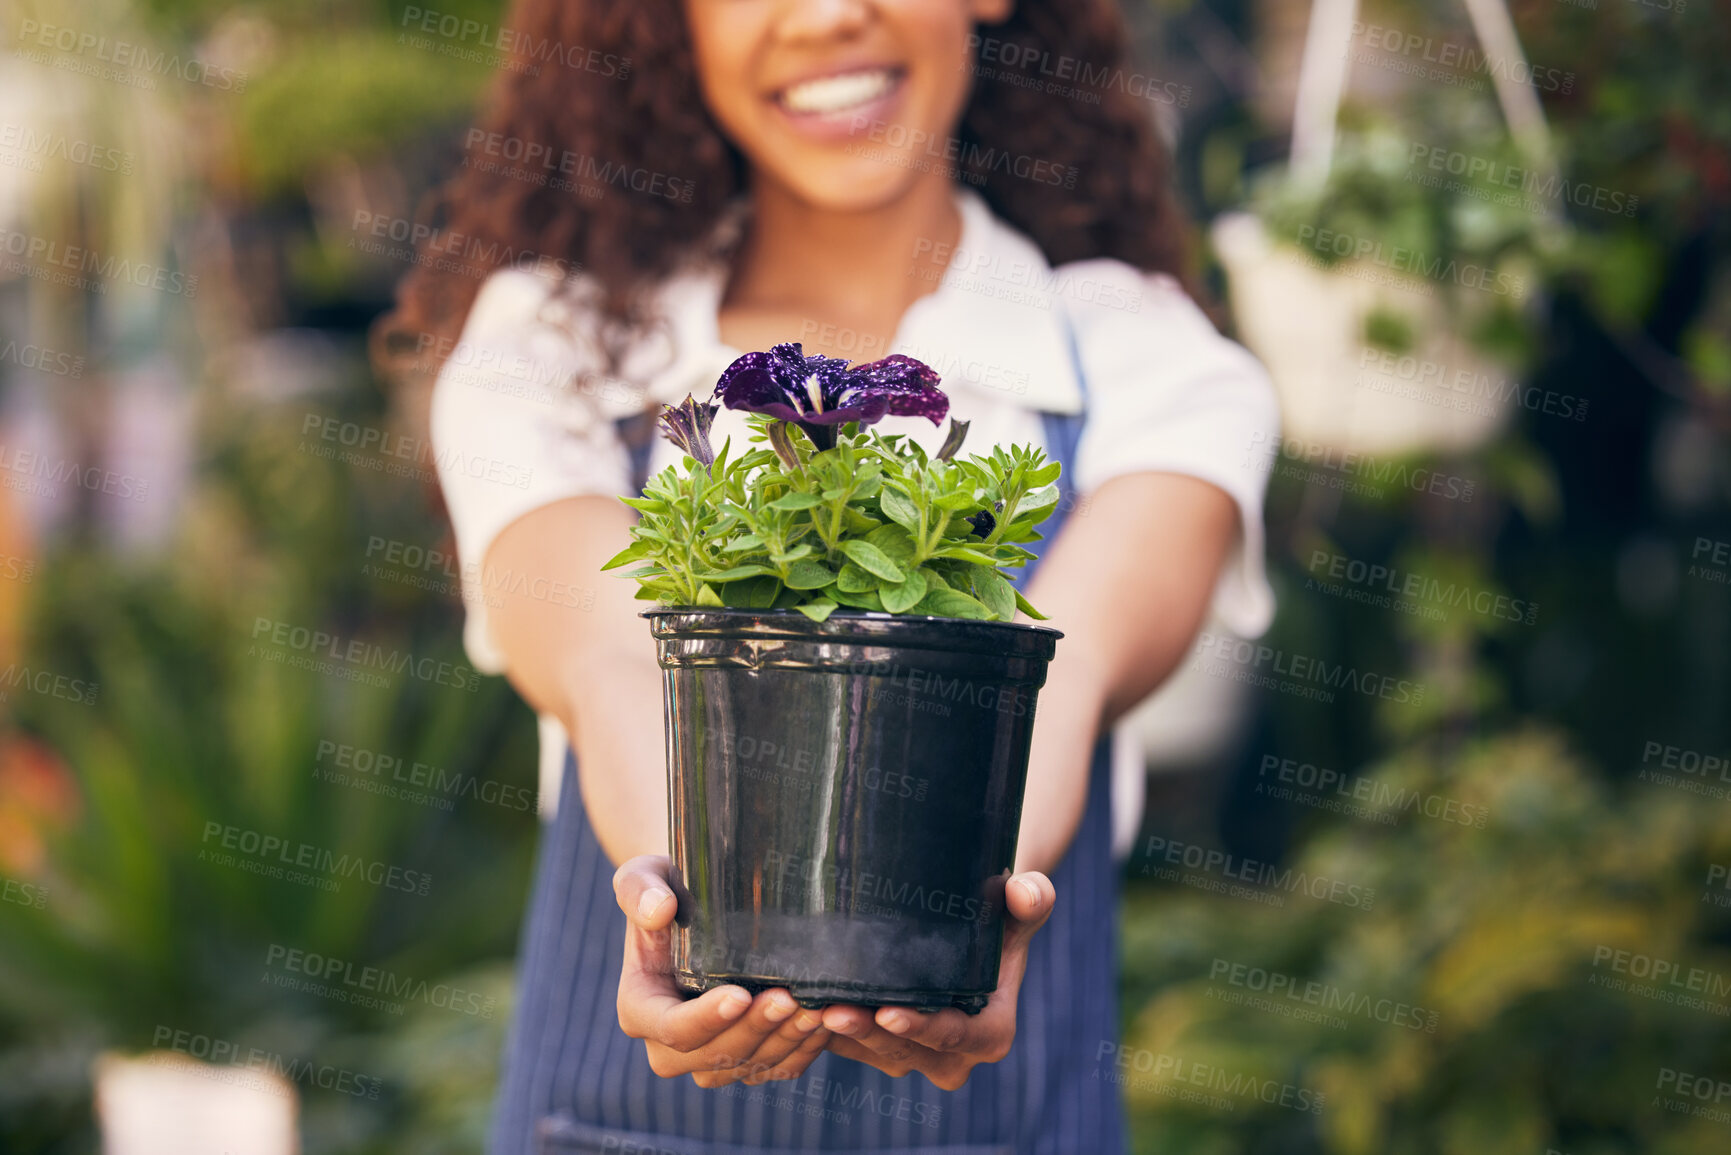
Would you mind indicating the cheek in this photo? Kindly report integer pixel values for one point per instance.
(944, 60)
(721, 53)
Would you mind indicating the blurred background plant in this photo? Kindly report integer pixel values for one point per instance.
(336, 109)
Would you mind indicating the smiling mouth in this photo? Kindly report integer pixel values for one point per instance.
(843, 92)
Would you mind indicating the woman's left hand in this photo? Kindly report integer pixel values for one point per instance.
(945, 1046)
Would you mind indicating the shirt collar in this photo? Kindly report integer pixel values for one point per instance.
(993, 328)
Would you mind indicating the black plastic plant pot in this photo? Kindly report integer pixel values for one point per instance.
(844, 799)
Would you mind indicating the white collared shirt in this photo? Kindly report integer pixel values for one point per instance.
(521, 417)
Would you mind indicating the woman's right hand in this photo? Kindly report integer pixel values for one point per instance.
(723, 1036)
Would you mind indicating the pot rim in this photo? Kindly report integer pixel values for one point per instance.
(874, 618)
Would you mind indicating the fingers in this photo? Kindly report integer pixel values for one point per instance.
(721, 1036)
(947, 1031)
(795, 1064)
(640, 885)
(651, 1008)
(789, 1047)
(945, 1045)
(725, 1035)
(856, 1025)
(739, 1045)
(850, 1049)
(774, 1028)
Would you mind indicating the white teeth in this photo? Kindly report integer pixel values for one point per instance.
(838, 93)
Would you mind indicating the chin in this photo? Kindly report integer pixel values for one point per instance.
(849, 187)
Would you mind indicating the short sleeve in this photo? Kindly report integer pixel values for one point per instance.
(1167, 393)
(519, 421)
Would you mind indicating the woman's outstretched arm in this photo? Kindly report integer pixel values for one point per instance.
(1129, 580)
(592, 669)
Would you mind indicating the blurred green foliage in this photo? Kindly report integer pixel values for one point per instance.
(1494, 931)
(195, 724)
(1500, 932)
(359, 95)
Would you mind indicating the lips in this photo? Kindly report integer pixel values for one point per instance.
(840, 93)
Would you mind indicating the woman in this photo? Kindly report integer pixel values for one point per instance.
(864, 176)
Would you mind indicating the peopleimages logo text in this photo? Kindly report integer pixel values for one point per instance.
(1399, 259)
(1301, 668)
(37, 473)
(304, 855)
(222, 1052)
(1382, 801)
(1538, 183)
(363, 655)
(1378, 579)
(1234, 866)
(371, 980)
(125, 54)
(1326, 996)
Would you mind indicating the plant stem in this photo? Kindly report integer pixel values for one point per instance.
(938, 535)
(1011, 501)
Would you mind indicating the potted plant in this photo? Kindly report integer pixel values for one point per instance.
(849, 704)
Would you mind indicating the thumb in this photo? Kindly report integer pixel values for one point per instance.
(643, 892)
(1028, 901)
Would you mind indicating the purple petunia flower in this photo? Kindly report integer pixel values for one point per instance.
(984, 521)
(818, 393)
(687, 426)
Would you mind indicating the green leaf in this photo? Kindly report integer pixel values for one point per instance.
(868, 600)
(1045, 475)
(743, 542)
(900, 597)
(630, 553)
(873, 560)
(645, 504)
(998, 595)
(896, 543)
(817, 611)
(1037, 501)
(803, 549)
(737, 572)
(808, 575)
(899, 508)
(1027, 607)
(752, 593)
(706, 595)
(857, 524)
(951, 604)
(951, 502)
(965, 553)
(796, 500)
(855, 580)
(647, 594)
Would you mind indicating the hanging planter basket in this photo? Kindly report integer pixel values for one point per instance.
(1311, 324)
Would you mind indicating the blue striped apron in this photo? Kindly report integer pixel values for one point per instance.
(574, 1083)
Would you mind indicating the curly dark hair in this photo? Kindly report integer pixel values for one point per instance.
(609, 87)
